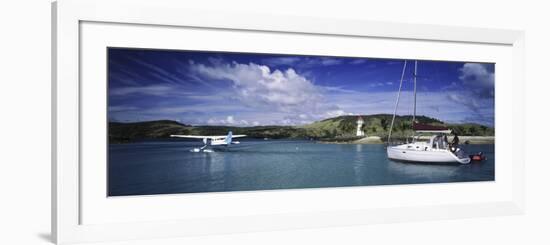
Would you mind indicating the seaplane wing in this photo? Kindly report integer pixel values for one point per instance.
(238, 135)
(197, 136)
(206, 137)
(227, 137)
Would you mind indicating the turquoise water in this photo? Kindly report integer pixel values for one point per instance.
(163, 167)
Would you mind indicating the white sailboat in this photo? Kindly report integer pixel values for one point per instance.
(434, 149)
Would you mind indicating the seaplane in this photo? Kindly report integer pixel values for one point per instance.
(222, 140)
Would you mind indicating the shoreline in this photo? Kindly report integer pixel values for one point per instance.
(476, 140)
(473, 140)
(365, 140)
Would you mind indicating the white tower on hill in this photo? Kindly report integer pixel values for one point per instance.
(359, 126)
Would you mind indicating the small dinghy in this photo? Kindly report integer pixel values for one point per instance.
(478, 157)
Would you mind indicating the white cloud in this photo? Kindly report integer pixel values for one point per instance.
(335, 113)
(302, 62)
(285, 94)
(358, 61)
(212, 121)
(157, 90)
(260, 87)
(337, 89)
(450, 106)
(330, 61)
(478, 77)
(380, 84)
(230, 120)
(158, 72)
(281, 60)
(467, 101)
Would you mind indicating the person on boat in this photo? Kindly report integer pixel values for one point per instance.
(454, 143)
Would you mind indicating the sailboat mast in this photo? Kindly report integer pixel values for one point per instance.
(414, 109)
(397, 101)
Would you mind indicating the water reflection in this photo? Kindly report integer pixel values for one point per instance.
(422, 170)
(359, 167)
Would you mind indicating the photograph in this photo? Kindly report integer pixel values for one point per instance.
(194, 121)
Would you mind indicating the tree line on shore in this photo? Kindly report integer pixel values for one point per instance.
(337, 128)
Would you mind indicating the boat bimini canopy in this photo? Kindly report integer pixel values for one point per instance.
(426, 128)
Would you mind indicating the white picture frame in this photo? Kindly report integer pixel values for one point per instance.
(68, 17)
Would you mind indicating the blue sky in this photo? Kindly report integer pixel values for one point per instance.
(243, 89)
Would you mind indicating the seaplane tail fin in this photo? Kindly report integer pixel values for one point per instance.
(229, 137)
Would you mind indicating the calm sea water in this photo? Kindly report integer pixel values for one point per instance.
(162, 167)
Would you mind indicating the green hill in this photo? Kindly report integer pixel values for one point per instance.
(337, 128)
(375, 125)
(129, 132)
(126, 132)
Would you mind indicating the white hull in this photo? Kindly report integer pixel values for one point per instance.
(403, 153)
